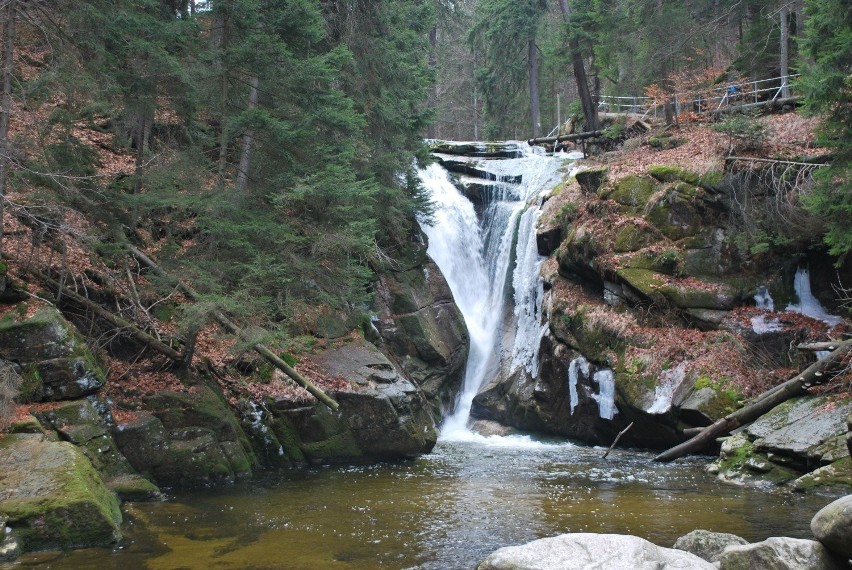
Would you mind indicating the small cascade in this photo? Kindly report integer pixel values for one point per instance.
(578, 365)
(474, 249)
(763, 300)
(809, 305)
(670, 381)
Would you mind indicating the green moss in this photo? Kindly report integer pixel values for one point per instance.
(31, 385)
(591, 179)
(338, 447)
(836, 477)
(633, 237)
(672, 174)
(664, 142)
(712, 180)
(632, 192)
(288, 436)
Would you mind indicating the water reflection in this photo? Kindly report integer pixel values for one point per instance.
(445, 510)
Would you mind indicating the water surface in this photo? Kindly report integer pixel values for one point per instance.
(443, 511)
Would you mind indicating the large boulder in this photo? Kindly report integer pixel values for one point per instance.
(187, 438)
(588, 550)
(832, 526)
(778, 553)
(52, 495)
(708, 545)
(421, 329)
(382, 415)
(57, 364)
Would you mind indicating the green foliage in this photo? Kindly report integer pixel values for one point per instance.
(827, 84)
(745, 132)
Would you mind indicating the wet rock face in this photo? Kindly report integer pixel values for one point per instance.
(587, 550)
(55, 362)
(832, 526)
(420, 328)
(383, 415)
(52, 496)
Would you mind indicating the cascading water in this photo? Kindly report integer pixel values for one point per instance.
(475, 255)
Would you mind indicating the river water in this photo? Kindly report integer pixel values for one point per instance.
(445, 510)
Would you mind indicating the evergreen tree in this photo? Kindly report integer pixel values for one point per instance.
(827, 82)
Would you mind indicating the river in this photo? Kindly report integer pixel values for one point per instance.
(445, 510)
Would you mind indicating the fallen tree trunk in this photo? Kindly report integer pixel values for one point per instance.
(135, 332)
(232, 328)
(813, 374)
(563, 138)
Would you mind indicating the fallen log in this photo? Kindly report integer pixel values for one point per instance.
(818, 346)
(135, 332)
(232, 328)
(574, 137)
(813, 374)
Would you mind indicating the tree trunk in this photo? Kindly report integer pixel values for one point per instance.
(248, 141)
(6, 104)
(532, 55)
(433, 89)
(814, 374)
(222, 24)
(785, 51)
(590, 112)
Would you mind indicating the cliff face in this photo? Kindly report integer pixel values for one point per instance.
(660, 313)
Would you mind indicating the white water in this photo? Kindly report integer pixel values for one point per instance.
(475, 256)
(669, 382)
(577, 366)
(809, 305)
(763, 300)
(606, 393)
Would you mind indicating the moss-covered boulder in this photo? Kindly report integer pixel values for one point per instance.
(679, 212)
(632, 192)
(81, 423)
(52, 495)
(57, 364)
(800, 442)
(681, 293)
(591, 179)
(186, 439)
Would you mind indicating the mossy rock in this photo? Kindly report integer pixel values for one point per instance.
(677, 213)
(684, 295)
(634, 236)
(665, 173)
(834, 478)
(57, 363)
(591, 179)
(633, 192)
(665, 142)
(53, 496)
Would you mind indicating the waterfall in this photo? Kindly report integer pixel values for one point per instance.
(476, 254)
(809, 305)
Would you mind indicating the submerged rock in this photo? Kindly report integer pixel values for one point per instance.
(832, 526)
(588, 550)
(52, 495)
(706, 544)
(780, 554)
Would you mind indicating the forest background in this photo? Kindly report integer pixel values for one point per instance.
(266, 150)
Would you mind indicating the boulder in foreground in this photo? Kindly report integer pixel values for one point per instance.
(588, 550)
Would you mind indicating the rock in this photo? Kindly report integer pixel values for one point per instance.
(383, 415)
(80, 423)
(57, 364)
(801, 427)
(591, 179)
(53, 496)
(588, 550)
(684, 294)
(832, 526)
(186, 439)
(849, 434)
(706, 544)
(780, 554)
(422, 330)
(833, 478)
